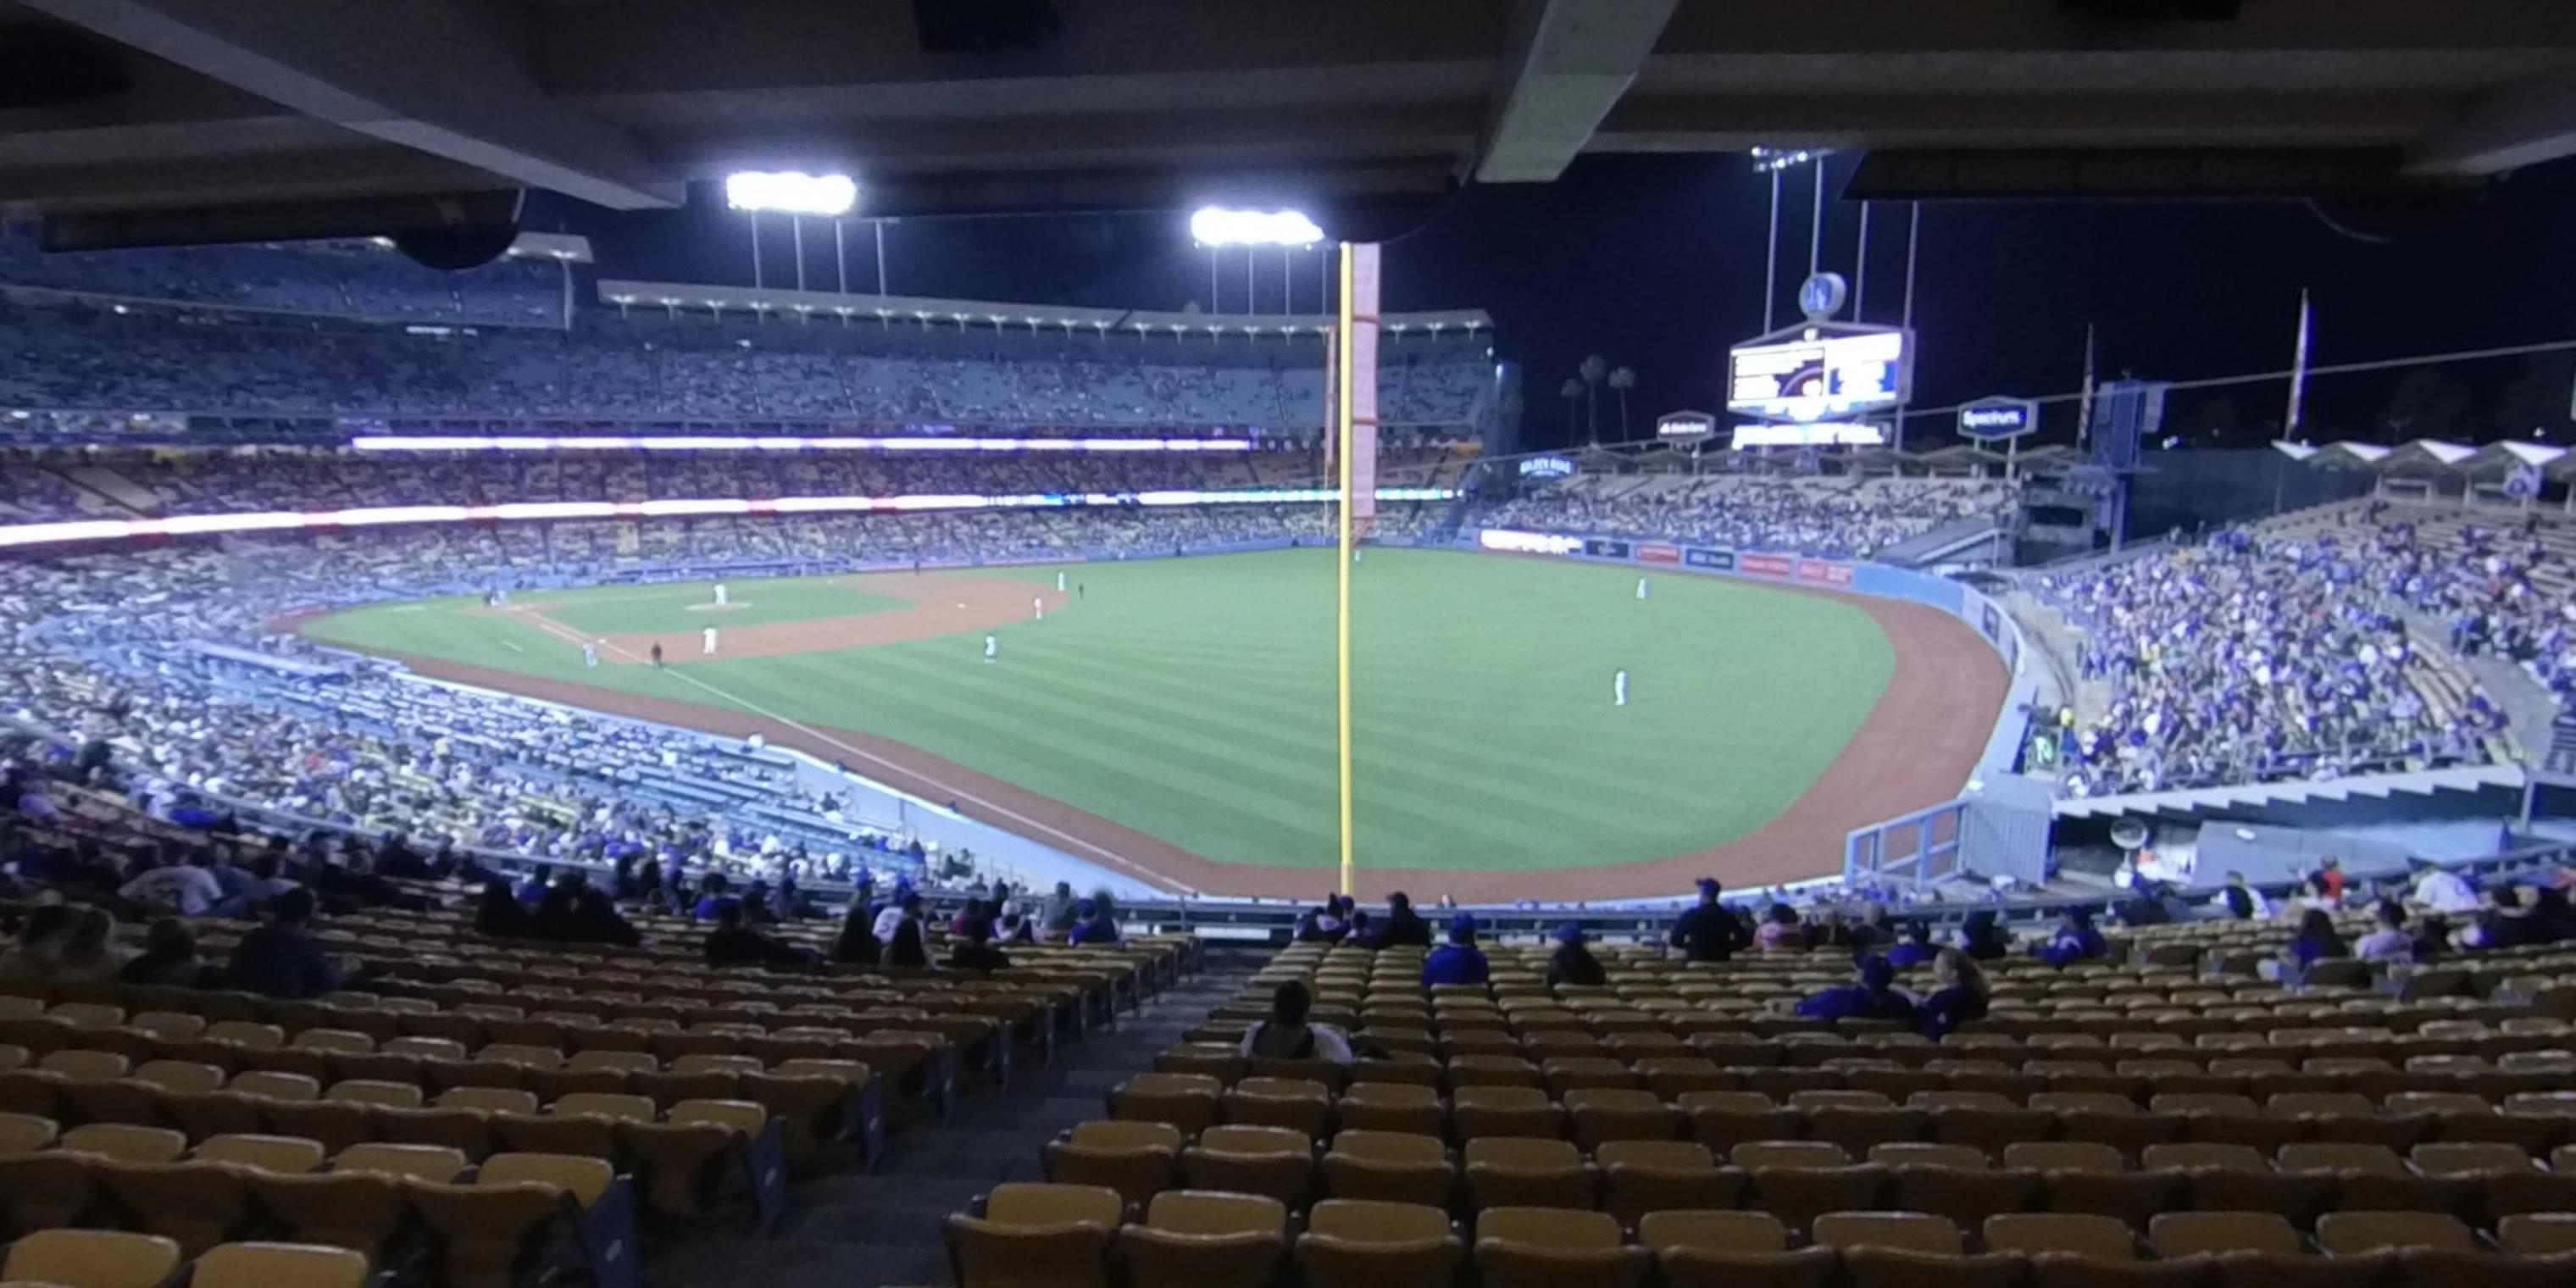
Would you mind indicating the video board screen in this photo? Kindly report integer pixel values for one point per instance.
(1817, 376)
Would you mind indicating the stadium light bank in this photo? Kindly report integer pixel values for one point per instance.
(1218, 226)
(791, 192)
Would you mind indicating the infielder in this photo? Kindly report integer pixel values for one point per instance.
(1059, 583)
(992, 649)
(707, 642)
(590, 653)
(1641, 588)
(720, 595)
(1037, 605)
(1619, 688)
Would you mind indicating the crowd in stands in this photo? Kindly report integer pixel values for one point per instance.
(72, 356)
(2252, 658)
(342, 279)
(1834, 517)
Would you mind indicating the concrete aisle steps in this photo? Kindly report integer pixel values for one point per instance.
(861, 1229)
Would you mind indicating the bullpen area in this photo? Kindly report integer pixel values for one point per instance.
(1173, 718)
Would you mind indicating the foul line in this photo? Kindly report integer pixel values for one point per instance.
(561, 631)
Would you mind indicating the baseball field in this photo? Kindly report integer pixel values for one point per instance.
(1175, 717)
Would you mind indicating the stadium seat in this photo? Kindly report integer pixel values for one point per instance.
(1801, 1180)
(91, 1259)
(504, 1219)
(1278, 1162)
(1199, 1239)
(2244, 1250)
(1391, 1167)
(278, 1265)
(1642, 1176)
(1477, 1111)
(1545, 1247)
(1955, 1182)
(1728, 1249)
(1137, 1159)
(1036, 1236)
(2074, 1251)
(1189, 1102)
(1352, 1243)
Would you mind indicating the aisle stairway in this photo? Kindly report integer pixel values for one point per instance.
(862, 1229)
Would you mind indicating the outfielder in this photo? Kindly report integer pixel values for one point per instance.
(1641, 588)
(1619, 688)
(992, 649)
(707, 641)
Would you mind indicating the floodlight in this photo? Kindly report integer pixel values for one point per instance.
(790, 192)
(1215, 226)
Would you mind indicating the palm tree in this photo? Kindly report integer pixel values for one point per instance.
(1570, 390)
(1592, 370)
(1622, 380)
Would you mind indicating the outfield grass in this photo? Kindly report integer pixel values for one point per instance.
(1193, 700)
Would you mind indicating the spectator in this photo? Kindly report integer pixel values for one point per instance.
(712, 898)
(1403, 927)
(595, 920)
(732, 943)
(281, 958)
(1459, 961)
(2390, 942)
(2315, 941)
(499, 914)
(1096, 921)
(1572, 961)
(2075, 940)
(2241, 901)
(1287, 1036)
(39, 949)
(908, 948)
(1060, 909)
(1780, 931)
(1710, 932)
(906, 906)
(2443, 890)
(858, 944)
(1960, 996)
(169, 959)
(1983, 938)
(1872, 996)
(2330, 877)
(1917, 948)
(975, 951)
(188, 887)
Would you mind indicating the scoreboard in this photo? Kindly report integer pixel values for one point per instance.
(1819, 373)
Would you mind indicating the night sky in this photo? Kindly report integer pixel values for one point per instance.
(1657, 263)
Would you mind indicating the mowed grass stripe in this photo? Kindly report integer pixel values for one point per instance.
(1193, 700)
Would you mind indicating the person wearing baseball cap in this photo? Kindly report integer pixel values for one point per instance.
(1872, 996)
(1573, 962)
(1459, 961)
(1710, 932)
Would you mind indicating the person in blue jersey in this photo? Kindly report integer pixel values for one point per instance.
(1871, 996)
(2075, 940)
(1459, 961)
(1915, 950)
(1959, 998)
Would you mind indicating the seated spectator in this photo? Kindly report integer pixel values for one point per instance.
(908, 947)
(169, 958)
(1459, 961)
(1959, 998)
(732, 943)
(975, 951)
(1060, 909)
(712, 898)
(1780, 931)
(1983, 938)
(1015, 926)
(2315, 941)
(905, 906)
(971, 914)
(499, 914)
(2390, 942)
(2432, 937)
(1403, 927)
(2443, 890)
(1287, 1036)
(40, 943)
(595, 920)
(89, 951)
(1872, 996)
(858, 944)
(1095, 923)
(532, 888)
(1917, 948)
(2074, 940)
(1360, 929)
(1572, 961)
(2241, 901)
(187, 887)
(2551, 920)
(282, 959)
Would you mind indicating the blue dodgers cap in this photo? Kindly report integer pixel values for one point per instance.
(1462, 924)
(1709, 885)
(1568, 933)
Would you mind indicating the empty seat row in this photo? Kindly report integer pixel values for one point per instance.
(119, 1259)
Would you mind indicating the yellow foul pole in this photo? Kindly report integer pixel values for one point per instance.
(1343, 346)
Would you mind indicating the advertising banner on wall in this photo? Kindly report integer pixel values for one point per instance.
(1766, 565)
(1824, 572)
(1528, 543)
(1713, 560)
(1605, 548)
(1655, 552)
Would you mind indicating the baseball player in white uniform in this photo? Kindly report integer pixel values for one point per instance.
(720, 595)
(1619, 688)
(590, 652)
(992, 648)
(1037, 606)
(707, 641)
(1641, 588)
(1059, 583)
